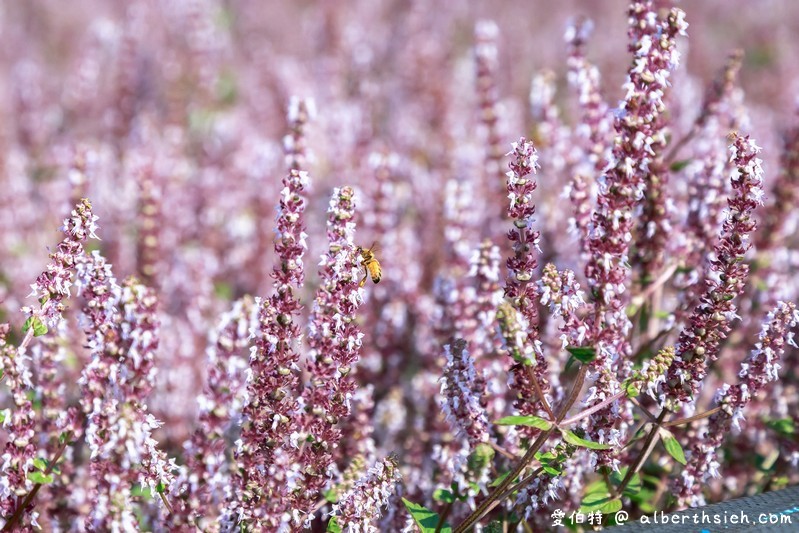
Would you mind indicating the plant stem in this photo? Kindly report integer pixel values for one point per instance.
(518, 486)
(608, 484)
(643, 409)
(442, 519)
(694, 418)
(645, 451)
(482, 509)
(639, 299)
(20, 510)
(591, 410)
(575, 392)
(502, 451)
(499, 491)
(540, 393)
(166, 502)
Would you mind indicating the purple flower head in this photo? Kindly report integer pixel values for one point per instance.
(711, 320)
(759, 369)
(462, 389)
(359, 508)
(53, 285)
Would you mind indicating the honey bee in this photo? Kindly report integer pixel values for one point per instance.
(370, 264)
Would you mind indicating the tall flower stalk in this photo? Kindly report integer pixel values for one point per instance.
(711, 320)
(760, 368)
(520, 330)
(653, 44)
(335, 341)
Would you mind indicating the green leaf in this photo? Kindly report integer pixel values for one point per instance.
(426, 519)
(159, 488)
(574, 440)
(633, 487)
(139, 491)
(499, 480)
(630, 388)
(550, 463)
(783, 426)
(584, 354)
(40, 478)
(4, 414)
(597, 498)
(443, 495)
(331, 495)
(332, 525)
(531, 421)
(679, 165)
(613, 506)
(223, 291)
(673, 446)
(551, 470)
(597, 487)
(39, 328)
(40, 464)
(481, 457)
(569, 363)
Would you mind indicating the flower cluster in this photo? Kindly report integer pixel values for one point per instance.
(463, 388)
(361, 505)
(271, 413)
(122, 329)
(711, 320)
(53, 285)
(759, 369)
(20, 449)
(621, 187)
(207, 472)
(519, 321)
(335, 342)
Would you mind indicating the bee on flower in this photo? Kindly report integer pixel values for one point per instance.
(370, 264)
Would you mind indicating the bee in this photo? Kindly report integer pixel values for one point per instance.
(370, 264)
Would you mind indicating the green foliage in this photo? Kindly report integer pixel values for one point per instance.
(139, 491)
(499, 480)
(481, 458)
(40, 477)
(673, 446)
(633, 487)
(571, 438)
(597, 498)
(551, 463)
(584, 354)
(531, 421)
(426, 519)
(443, 495)
(783, 426)
(631, 388)
(680, 165)
(331, 495)
(332, 525)
(39, 328)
